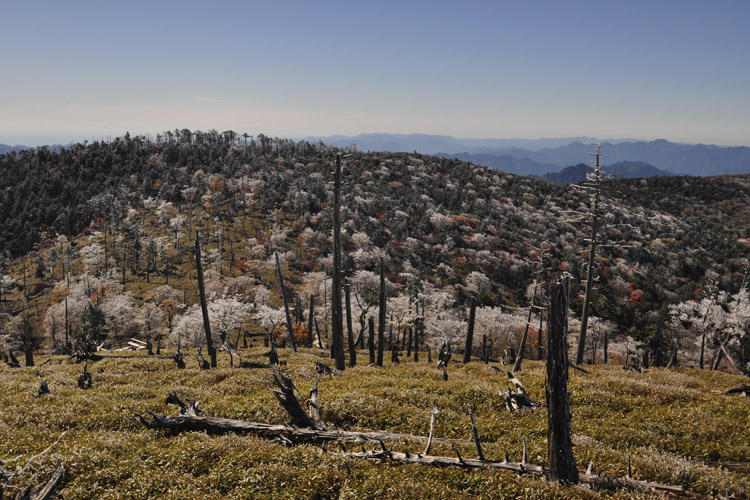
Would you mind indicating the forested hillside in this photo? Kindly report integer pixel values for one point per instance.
(125, 213)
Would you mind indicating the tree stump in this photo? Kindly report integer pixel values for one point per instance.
(84, 381)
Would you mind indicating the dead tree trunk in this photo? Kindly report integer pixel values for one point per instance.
(349, 329)
(84, 381)
(310, 320)
(286, 305)
(559, 443)
(539, 337)
(470, 332)
(204, 306)
(371, 339)
(524, 338)
(418, 326)
(381, 314)
(337, 317)
(408, 342)
(592, 257)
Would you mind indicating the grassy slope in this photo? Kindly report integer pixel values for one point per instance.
(662, 418)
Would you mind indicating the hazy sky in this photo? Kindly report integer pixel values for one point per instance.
(73, 70)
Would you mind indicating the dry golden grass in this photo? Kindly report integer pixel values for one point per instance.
(669, 421)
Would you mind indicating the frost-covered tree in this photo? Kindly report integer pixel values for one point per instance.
(272, 320)
(226, 313)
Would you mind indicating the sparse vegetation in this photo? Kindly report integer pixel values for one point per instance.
(427, 245)
(659, 418)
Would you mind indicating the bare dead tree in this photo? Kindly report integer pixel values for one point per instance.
(337, 317)
(286, 305)
(596, 180)
(560, 445)
(310, 320)
(204, 305)
(349, 329)
(381, 314)
(470, 332)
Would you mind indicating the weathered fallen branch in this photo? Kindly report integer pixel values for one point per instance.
(213, 425)
(310, 429)
(324, 369)
(598, 482)
(578, 368)
(288, 400)
(519, 400)
(47, 492)
(186, 409)
(743, 390)
(27, 493)
(297, 435)
(741, 467)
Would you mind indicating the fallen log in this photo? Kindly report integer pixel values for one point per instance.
(743, 390)
(598, 482)
(27, 493)
(214, 425)
(46, 493)
(288, 434)
(324, 369)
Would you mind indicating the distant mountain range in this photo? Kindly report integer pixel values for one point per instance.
(619, 170)
(542, 156)
(4, 148)
(434, 144)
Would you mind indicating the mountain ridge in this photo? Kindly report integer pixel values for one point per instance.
(620, 170)
(516, 155)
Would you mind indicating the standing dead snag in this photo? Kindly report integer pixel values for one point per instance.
(289, 326)
(559, 443)
(381, 314)
(204, 305)
(596, 180)
(350, 332)
(475, 434)
(522, 347)
(444, 356)
(371, 339)
(470, 332)
(337, 317)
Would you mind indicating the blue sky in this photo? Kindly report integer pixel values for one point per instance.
(678, 70)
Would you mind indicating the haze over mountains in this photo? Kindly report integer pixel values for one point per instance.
(542, 156)
(548, 158)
